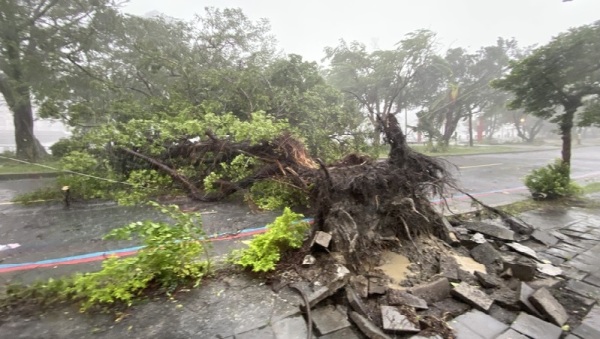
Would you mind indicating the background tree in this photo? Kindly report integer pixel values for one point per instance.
(558, 79)
(36, 36)
(380, 81)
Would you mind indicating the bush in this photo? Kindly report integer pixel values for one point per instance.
(264, 251)
(65, 146)
(552, 181)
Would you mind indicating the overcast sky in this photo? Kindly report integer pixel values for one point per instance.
(305, 27)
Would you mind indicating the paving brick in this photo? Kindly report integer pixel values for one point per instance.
(545, 302)
(572, 272)
(593, 279)
(491, 230)
(395, 321)
(476, 324)
(535, 328)
(511, 334)
(590, 325)
(553, 259)
(290, 328)
(328, 319)
(346, 333)
(259, 333)
(587, 236)
(544, 237)
(397, 298)
(473, 296)
(584, 289)
(367, 327)
(525, 291)
(485, 254)
(527, 251)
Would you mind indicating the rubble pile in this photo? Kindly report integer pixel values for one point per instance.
(515, 287)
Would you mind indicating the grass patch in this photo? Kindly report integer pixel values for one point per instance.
(12, 167)
(463, 150)
(591, 188)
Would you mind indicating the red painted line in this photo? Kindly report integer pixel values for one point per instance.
(70, 262)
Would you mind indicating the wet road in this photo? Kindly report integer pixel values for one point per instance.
(48, 231)
(487, 172)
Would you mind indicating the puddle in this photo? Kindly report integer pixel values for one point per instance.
(395, 266)
(469, 265)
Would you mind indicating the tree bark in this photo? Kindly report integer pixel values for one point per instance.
(566, 126)
(28, 147)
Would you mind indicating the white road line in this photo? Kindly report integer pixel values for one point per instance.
(476, 166)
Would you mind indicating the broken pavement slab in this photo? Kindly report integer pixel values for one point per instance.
(491, 230)
(476, 324)
(473, 296)
(395, 321)
(525, 291)
(398, 298)
(522, 268)
(433, 291)
(486, 254)
(511, 334)
(328, 319)
(546, 304)
(322, 239)
(523, 250)
(290, 328)
(488, 280)
(534, 327)
(367, 327)
(544, 237)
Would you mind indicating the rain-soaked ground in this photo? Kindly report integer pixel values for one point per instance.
(49, 230)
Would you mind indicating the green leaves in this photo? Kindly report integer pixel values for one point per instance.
(552, 181)
(264, 251)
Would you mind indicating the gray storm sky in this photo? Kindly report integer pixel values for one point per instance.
(306, 27)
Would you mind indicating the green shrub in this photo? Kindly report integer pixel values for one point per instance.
(171, 257)
(264, 250)
(552, 181)
(65, 146)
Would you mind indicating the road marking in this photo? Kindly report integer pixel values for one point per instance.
(476, 166)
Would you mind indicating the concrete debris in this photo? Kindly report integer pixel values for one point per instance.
(355, 302)
(309, 260)
(535, 328)
(549, 269)
(360, 284)
(486, 254)
(395, 321)
(433, 291)
(398, 298)
(491, 230)
(546, 304)
(322, 239)
(367, 327)
(473, 296)
(523, 250)
(522, 269)
(488, 280)
(328, 319)
(478, 238)
(377, 286)
(525, 292)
